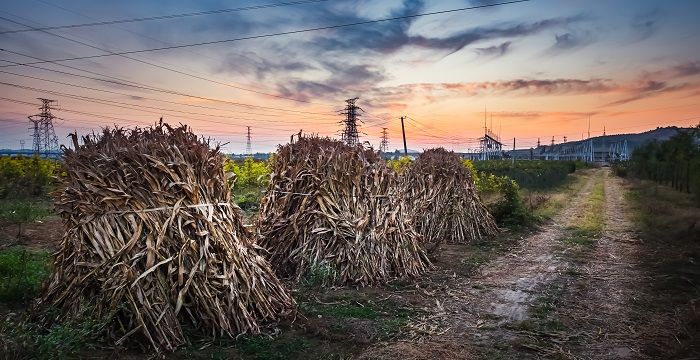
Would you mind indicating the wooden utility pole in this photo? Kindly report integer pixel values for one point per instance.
(403, 132)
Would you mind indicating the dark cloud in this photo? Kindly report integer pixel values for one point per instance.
(391, 36)
(494, 51)
(646, 24)
(249, 63)
(530, 86)
(348, 81)
(648, 89)
(687, 69)
(569, 41)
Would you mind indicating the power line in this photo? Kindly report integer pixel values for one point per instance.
(121, 120)
(143, 62)
(166, 17)
(128, 83)
(147, 98)
(139, 107)
(291, 32)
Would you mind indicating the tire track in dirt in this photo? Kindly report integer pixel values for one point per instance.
(604, 306)
(475, 312)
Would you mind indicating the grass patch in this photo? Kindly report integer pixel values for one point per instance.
(385, 317)
(21, 273)
(271, 348)
(470, 264)
(586, 228)
(668, 223)
(545, 204)
(26, 340)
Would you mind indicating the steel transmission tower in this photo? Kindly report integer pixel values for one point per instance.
(44, 140)
(384, 144)
(248, 146)
(349, 135)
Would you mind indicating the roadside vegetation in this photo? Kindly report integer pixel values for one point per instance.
(675, 163)
(668, 223)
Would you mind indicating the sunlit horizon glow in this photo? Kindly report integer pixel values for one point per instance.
(537, 69)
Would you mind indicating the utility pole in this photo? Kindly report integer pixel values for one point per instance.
(44, 138)
(349, 134)
(403, 132)
(513, 152)
(384, 144)
(248, 145)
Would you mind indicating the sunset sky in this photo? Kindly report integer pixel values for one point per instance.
(539, 68)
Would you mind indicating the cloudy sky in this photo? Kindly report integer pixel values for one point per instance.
(539, 68)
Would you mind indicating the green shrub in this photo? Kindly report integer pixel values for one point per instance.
(510, 210)
(249, 201)
(22, 177)
(400, 165)
(530, 174)
(249, 174)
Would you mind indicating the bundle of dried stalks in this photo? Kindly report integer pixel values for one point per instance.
(153, 242)
(329, 212)
(443, 200)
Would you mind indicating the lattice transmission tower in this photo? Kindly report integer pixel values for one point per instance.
(44, 140)
(248, 145)
(384, 144)
(349, 134)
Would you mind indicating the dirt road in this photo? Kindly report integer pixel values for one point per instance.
(549, 298)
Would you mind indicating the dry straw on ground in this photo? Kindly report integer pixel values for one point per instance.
(329, 212)
(153, 243)
(443, 199)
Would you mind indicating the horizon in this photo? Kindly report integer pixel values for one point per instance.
(529, 69)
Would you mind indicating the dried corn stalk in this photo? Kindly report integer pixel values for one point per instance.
(329, 206)
(153, 242)
(443, 200)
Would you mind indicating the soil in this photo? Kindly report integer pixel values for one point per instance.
(43, 234)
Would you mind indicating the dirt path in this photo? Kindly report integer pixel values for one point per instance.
(475, 316)
(550, 298)
(611, 288)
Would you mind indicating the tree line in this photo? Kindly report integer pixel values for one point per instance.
(674, 162)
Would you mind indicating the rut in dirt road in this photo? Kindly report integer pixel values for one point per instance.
(612, 279)
(475, 313)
